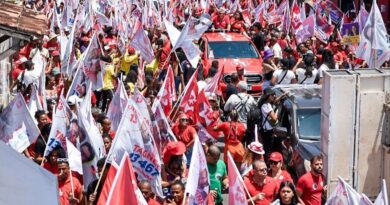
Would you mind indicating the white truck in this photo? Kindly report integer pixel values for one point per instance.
(355, 128)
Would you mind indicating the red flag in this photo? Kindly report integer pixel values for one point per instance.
(107, 185)
(237, 193)
(206, 118)
(190, 95)
(167, 92)
(296, 21)
(323, 29)
(124, 188)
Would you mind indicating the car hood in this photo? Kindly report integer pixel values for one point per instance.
(308, 149)
(251, 65)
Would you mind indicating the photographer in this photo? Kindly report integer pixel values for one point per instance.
(269, 118)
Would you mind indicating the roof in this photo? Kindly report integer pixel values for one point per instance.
(304, 96)
(219, 36)
(15, 19)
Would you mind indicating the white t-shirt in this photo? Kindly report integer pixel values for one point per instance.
(29, 77)
(301, 76)
(322, 68)
(287, 79)
(277, 51)
(265, 109)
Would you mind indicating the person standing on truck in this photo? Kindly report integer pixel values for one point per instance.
(311, 185)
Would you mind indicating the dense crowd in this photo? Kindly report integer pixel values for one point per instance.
(244, 123)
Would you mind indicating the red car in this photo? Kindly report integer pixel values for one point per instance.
(232, 49)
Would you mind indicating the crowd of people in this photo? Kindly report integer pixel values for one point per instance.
(265, 162)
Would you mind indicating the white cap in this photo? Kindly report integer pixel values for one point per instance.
(242, 85)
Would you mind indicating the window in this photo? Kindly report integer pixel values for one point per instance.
(233, 49)
(309, 123)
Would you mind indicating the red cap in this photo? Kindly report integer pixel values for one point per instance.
(172, 149)
(55, 53)
(131, 50)
(276, 157)
(239, 67)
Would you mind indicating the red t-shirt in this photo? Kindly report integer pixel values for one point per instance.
(311, 188)
(184, 135)
(52, 46)
(65, 189)
(237, 131)
(166, 50)
(238, 26)
(269, 188)
(152, 201)
(221, 23)
(284, 176)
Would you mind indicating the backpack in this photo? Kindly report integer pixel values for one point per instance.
(242, 108)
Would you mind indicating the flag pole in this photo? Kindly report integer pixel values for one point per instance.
(71, 181)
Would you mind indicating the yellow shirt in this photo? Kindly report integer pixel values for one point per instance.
(127, 61)
(108, 77)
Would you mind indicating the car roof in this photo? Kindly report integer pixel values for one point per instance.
(303, 96)
(220, 36)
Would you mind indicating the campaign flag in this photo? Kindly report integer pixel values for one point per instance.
(135, 138)
(212, 86)
(198, 183)
(286, 22)
(206, 118)
(362, 17)
(165, 133)
(329, 9)
(17, 126)
(197, 27)
(59, 128)
(307, 29)
(323, 29)
(190, 95)
(140, 100)
(74, 157)
(374, 45)
(35, 103)
(237, 194)
(167, 93)
(185, 38)
(19, 174)
(117, 106)
(91, 142)
(124, 189)
(343, 194)
(350, 33)
(90, 63)
(365, 200)
(141, 42)
(68, 57)
(296, 21)
(107, 183)
(382, 198)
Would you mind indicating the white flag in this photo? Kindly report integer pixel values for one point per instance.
(91, 142)
(237, 194)
(343, 194)
(382, 196)
(17, 126)
(198, 183)
(74, 157)
(59, 128)
(374, 41)
(21, 175)
(117, 106)
(142, 43)
(134, 137)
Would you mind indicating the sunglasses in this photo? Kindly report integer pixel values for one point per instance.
(273, 162)
(183, 120)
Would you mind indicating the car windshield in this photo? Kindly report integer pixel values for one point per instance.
(309, 123)
(232, 49)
